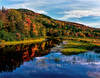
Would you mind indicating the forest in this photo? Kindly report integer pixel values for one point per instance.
(24, 24)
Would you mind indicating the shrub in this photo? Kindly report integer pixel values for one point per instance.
(6, 36)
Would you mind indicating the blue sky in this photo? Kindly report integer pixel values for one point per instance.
(81, 11)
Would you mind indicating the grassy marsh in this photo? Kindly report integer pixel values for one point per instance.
(75, 47)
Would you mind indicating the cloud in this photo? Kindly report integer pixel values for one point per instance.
(42, 12)
(80, 14)
(68, 8)
(27, 6)
(94, 25)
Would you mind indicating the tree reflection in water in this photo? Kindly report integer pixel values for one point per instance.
(41, 60)
(13, 56)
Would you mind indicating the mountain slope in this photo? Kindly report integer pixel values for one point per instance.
(21, 24)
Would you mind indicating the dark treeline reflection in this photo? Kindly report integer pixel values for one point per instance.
(12, 56)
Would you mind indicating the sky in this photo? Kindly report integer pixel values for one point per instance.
(86, 12)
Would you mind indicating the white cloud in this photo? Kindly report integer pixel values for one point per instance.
(72, 8)
(42, 12)
(26, 6)
(80, 13)
(95, 25)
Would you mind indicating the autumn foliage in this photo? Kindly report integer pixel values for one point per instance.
(20, 24)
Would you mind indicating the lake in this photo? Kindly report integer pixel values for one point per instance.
(45, 60)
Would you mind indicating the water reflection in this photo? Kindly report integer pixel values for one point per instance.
(43, 60)
(12, 57)
(94, 74)
(83, 58)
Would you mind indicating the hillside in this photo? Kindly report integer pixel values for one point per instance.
(22, 24)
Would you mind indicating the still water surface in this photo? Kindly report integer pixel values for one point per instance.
(44, 60)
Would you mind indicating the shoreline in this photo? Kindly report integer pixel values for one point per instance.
(38, 40)
(95, 42)
(75, 47)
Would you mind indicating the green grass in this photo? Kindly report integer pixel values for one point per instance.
(75, 47)
(23, 42)
(85, 40)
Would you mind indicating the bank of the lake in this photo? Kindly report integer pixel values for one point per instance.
(23, 42)
(75, 47)
(93, 41)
